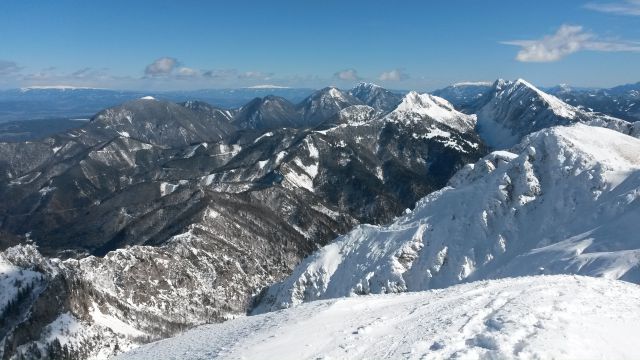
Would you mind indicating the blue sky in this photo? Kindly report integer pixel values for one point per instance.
(405, 44)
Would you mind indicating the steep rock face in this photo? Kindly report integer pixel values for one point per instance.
(562, 201)
(270, 112)
(376, 96)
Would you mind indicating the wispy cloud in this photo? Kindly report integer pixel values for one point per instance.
(567, 40)
(255, 75)
(8, 67)
(627, 7)
(161, 67)
(347, 75)
(393, 75)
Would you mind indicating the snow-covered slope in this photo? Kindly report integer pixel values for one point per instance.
(565, 200)
(354, 115)
(416, 107)
(566, 317)
(514, 109)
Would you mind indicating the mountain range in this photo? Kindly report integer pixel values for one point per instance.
(155, 216)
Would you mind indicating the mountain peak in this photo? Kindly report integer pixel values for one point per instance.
(366, 85)
(414, 101)
(415, 106)
(375, 96)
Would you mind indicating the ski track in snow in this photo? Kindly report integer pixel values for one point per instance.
(570, 317)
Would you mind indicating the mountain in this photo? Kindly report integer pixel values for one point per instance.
(376, 96)
(513, 109)
(352, 115)
(270, 112)
(25, 130)
(465, 95)
(122, 220)
(324, 104)
(418, 107)
(621, 101)
(213, 113)
(160, 123)
(542, 317)
(156, 217)
(45, 102)
(564, 200)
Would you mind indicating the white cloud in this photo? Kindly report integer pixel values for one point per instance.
(567, 40)
(393, 75)
(627, 7)
(347, 75)
(188, 72)
(161, 67)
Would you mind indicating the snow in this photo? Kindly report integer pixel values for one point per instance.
(540, 317)
(66, 328)
(12, 280)
(167, 188)
(265, 135)
(147, 98)
(559, 107)
(303, 178)
(566, 200)
(472, 83)
(518, 108)
(415, 106)
(116, 325)
(267, 86)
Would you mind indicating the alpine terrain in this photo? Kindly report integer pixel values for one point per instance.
(156, 217)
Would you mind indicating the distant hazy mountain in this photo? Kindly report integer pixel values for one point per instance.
(464, 96)
(23, 130)
(620, 101)
(270, 112)
(68, 102)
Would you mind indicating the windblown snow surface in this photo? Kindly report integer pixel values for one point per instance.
(565, 200)
(540, 317)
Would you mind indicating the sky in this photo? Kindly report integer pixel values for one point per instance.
(420, 45)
